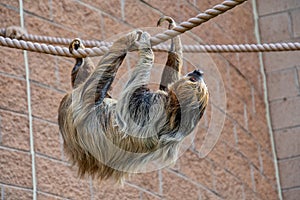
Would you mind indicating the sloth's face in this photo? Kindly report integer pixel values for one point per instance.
(191, 89)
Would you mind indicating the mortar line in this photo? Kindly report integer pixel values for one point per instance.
(268, 114)
(32, 152)
(2, 193)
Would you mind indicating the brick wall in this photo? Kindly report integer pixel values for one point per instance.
(239, 167)
(280, 21)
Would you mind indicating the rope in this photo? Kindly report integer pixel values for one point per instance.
(159, 38)
(58, 40)
(50, 49)
(98, 51)
(99, 47)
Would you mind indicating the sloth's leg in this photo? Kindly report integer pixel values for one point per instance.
(141, 73)
(95, 88)
(173, 66)
(83, 66)
(134, 94)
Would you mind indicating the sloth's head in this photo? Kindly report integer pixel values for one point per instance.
(191, 91)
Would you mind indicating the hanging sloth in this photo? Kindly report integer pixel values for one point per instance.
(108, 138)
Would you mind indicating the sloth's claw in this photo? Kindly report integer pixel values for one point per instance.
(75, 45)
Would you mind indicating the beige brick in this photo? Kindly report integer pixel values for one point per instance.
(233, 189)
(175, 187)
(13, 94)
(107, 190)
(285, 113)
(15, 168)
(185, 12)
(42, 68)
(235, 108)
(257, 122)
(200, 135)
(248, 65)
(211, 33)
(296, 22)
(149, 181)
(39, 26)
(222, 67)
(228, 134)
(290, 173)
(11, 3)
(45, 102)
(272, 6)
(238, 165)
(201, 170)
(230, 24)
(111, 27)
(12, 61)
(268, 167)
(11, 193)
(64, 68)
(274, 28)
(248, 146)
(77, 17)
(14, 19)
(282, 84)
(112, 7)
(41, 8)
(232, 59)
(298, 85)
(259, 108)
(14, 130)
(280, 60)
(287, 142)
(139, 15)
(58, 178)
(260, 131)
(44, 196)
(250, 194)
(204, 4)
(147, 196)
(292, 194)
(208, 195)
(239, 85)
(218, 153)
(263, 187)
(178, 10)
(47, 139)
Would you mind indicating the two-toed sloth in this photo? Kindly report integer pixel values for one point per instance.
(108, 138)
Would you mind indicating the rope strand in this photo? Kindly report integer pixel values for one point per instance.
(99, 47)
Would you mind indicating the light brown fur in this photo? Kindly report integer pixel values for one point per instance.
(107, 138)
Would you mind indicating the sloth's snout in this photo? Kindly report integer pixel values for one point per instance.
(196, 75)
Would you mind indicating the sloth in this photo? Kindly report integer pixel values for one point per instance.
(15, 32)
(110, 138)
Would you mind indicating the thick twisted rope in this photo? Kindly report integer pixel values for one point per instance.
(50, 49)
(181, 28)
(159, 38)
(102, 47)
(58, 40)
(98, 51)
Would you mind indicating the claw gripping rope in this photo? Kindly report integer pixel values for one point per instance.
(100, 48)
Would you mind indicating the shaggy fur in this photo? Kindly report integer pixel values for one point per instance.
(107, 138)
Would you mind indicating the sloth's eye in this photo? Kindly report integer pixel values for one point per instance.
(193, 79)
